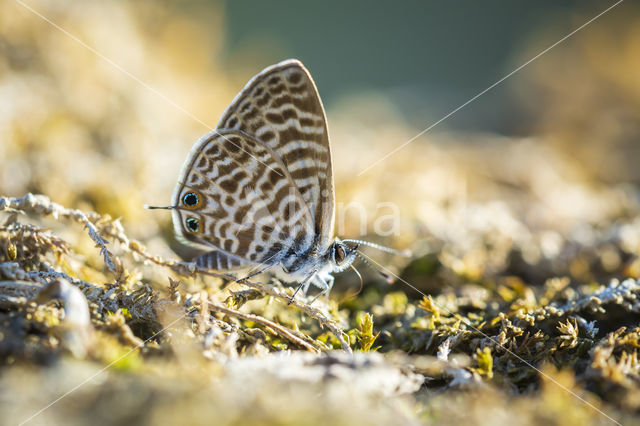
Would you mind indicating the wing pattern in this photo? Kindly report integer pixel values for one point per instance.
(236, 197)
(281, 107)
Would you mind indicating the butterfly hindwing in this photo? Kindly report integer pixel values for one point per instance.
(236, 198)
(281, 107)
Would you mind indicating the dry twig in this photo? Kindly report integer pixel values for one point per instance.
(42, 205)
(283, 331)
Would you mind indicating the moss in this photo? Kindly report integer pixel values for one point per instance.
(485, 362)
(365, 334)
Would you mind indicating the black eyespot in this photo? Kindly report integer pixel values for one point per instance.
(190, 199)
(193, 224)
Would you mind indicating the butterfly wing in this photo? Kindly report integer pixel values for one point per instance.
(282, 108)
(235, 199)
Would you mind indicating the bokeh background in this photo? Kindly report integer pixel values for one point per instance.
(107, 129)
(527, 194)
(101, 101)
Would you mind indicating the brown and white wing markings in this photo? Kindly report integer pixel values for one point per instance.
(249, 210)
(281, 107)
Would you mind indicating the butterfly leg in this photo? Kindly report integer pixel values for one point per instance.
(304, 283)
(305, 286)
(326, 286)
(330, 281)
(265, 269)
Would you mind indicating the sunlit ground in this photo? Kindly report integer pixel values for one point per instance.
(516, 240)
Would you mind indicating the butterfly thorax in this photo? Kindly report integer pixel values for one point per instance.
(300, 266)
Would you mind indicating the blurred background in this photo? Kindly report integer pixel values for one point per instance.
(524, 199)
(101, 101)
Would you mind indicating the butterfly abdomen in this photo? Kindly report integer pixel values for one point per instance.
(220, 262)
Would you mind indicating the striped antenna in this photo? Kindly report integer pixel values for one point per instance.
(404, 253)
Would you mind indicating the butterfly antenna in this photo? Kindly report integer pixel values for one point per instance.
(387, 277)
(404, 253)
(148, 207)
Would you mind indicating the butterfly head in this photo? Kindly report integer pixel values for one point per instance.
(341, 255)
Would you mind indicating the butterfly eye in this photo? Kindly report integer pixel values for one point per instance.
(340, 254)
(193, 224)
(191, 199)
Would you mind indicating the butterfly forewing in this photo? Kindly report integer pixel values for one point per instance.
(236, 199)
(281, 107)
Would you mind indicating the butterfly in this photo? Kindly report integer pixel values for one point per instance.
(257, 193)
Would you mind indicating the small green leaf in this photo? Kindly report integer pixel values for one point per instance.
(12, 252)
(365, 335)
(485, 362)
